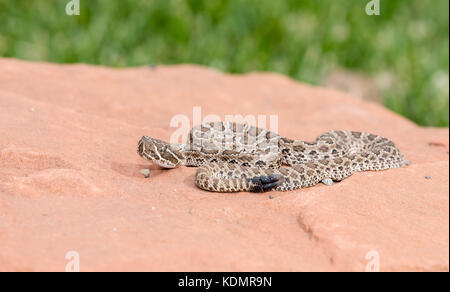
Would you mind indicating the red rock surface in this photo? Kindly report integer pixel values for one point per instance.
(70, 180)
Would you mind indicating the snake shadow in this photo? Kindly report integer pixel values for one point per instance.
(134, 170)
(189, 181)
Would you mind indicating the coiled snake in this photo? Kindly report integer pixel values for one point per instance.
(235, 157)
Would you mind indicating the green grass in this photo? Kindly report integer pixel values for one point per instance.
(302, 39)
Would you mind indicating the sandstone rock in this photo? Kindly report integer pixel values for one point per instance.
(70, 178)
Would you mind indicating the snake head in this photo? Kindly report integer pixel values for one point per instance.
(162, 153)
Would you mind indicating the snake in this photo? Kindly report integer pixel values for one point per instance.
(238, 157)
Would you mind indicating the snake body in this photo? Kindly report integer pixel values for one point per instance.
(235, 157)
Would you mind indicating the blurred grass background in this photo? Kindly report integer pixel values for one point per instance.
(407, 45)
